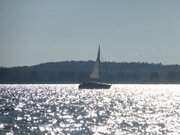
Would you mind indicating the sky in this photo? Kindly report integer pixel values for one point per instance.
(38, 31)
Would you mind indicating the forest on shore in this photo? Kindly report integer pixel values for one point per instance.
(78, 71)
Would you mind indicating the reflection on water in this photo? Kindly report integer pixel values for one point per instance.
(63, 109)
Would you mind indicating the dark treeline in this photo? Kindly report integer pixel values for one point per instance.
(78, 71)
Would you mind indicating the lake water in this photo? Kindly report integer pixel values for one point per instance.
(63, 109)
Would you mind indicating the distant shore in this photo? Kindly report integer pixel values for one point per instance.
(73, 72)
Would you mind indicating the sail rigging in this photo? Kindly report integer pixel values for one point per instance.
(96, 70)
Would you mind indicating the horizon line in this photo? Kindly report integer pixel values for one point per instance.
(118, 62)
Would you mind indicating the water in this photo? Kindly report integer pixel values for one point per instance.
(63, 109)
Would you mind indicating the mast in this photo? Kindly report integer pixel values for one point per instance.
(96, 70)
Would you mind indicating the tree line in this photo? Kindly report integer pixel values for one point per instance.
(78, 71)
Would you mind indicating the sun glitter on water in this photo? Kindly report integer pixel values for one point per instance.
(63, 109)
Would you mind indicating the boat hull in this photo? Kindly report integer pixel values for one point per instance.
(94, 85)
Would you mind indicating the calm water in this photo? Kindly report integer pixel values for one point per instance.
(63, 109)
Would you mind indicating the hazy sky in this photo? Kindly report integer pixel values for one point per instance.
(36, 31)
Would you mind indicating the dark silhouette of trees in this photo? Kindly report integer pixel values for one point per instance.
(173, 76)
(154, 77)
(78, 71)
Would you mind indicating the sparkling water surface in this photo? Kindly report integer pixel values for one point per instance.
(64, 109)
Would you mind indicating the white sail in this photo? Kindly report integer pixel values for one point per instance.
(96, 71)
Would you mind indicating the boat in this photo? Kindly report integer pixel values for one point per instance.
(94, 77)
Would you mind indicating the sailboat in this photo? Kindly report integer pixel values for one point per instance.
(94, 77)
